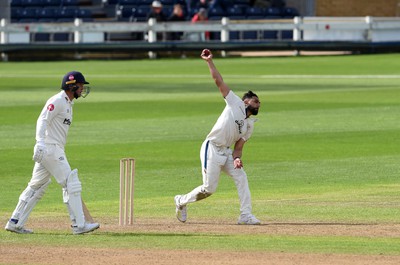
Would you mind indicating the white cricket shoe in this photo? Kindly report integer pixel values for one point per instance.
(248, 219)
(180, 211)
(89, 227)
(12, 227)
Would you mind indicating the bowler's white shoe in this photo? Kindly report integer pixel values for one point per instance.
(180, 210)
(12, 227)
(248, 219)
(88, 227)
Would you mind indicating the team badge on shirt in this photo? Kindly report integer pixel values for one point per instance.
(50, 107)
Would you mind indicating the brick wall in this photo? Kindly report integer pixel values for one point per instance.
(356, 8)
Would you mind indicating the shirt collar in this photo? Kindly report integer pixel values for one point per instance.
(67, 98)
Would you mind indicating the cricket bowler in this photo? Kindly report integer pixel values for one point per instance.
(233, 128)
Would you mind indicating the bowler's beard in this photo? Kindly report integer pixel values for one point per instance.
(253, 111)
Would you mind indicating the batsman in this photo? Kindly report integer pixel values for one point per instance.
(232, 129)
(50, 160)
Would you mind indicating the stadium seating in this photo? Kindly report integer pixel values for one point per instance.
(31, 11)
(70, 3)
(51, 3)
(289, 12)
(31, 3)
(234, 11)
(28, 13)
(85, 14)
(273, 12)
(140, 13)
(128, 2)
(66, 12)
(15, 3)
(254, 13)
(47, 13)
(216, 13)
(126, 12)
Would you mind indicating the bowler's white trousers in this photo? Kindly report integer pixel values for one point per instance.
(215, 159)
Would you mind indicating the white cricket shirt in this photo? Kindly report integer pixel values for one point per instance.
(232, 123)
(55, 119)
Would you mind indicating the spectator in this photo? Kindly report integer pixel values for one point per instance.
(177, 15)
(200, 16)
(157, 13)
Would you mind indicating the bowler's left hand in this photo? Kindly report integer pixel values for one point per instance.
(237, 163)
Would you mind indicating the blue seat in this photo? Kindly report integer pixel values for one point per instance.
(168, 10)
(83, 13)
(41, 37)
(290, 12)
(47, 12)
(62, 37)
(234, 11)
(140, 13)
(234, 35)
(250, 35)
(216, 12)
(31, 3)
(167, 2)
(70, 3)
(28, 13)
(54, 3)
(128, 2)
(273, 12)
(126, 12)
(66, 12)
(15, 3)
(254, 12)
(270, 35)
(145, 2)
(16, 13)
(287, 34)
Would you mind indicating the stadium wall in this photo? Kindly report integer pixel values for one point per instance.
(356, 8)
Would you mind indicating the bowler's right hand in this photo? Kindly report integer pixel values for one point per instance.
(206, 54)
(39, 151)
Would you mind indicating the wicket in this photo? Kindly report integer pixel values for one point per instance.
(126, 188)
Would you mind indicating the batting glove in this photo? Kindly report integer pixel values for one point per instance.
(39, 151)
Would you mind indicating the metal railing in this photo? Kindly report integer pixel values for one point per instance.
(368, 29)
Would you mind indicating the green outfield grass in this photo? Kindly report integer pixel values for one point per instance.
(326, 147)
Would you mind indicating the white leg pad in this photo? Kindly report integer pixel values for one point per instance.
(27, 201)
(72, 197)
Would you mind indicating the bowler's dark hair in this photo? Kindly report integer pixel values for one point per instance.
(249, 95)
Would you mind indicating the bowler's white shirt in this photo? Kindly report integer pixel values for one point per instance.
(55, 119)
(232, 123)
